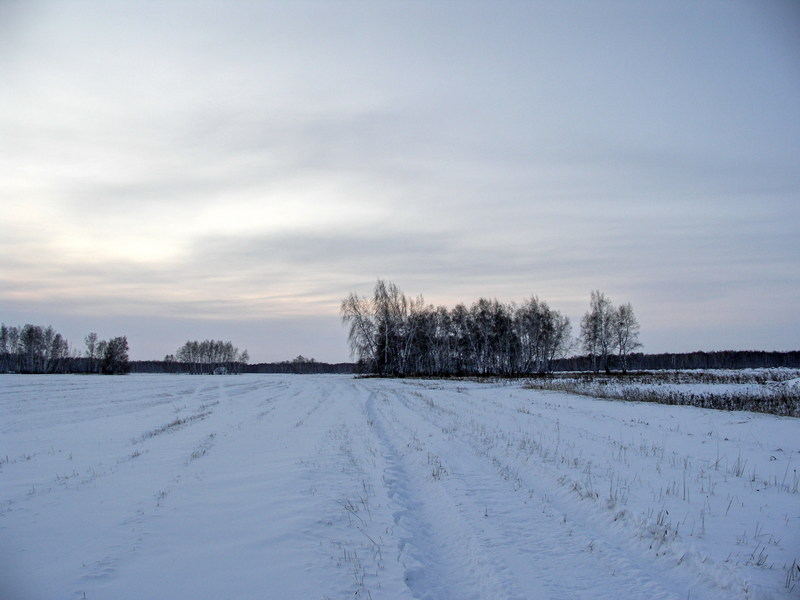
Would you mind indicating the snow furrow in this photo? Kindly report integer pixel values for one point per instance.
(525, 527)
(442, 555)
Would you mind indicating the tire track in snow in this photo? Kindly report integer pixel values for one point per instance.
(531, 521)
(440, 551)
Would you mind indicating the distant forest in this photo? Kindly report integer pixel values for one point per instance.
(726, 359)
(35, 349)
(299, 365)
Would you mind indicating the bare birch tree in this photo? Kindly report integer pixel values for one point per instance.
(625, 333)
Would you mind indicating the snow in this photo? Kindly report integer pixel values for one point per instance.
(287, 486)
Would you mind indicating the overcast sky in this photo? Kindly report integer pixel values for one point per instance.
(232, 170)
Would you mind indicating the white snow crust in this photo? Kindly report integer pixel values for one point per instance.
(323, 487)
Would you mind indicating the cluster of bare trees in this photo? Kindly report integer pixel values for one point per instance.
(32, 349)
(390, 334)
(36, 349)
(208, 357)
(608, 331)
(109, 357)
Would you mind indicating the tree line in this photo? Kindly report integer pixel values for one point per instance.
(722, 359)
(35, 349)
(302, 366)
(390, 334)
(206, 357)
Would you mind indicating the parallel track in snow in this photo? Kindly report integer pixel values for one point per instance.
(477, 531)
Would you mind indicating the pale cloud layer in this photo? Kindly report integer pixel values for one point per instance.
(227, 169)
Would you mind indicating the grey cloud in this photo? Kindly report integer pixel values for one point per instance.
(319, 250)
(209, 158)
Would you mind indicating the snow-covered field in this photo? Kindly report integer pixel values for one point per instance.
(315, 487)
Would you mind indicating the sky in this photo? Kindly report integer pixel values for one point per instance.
(232, 170)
